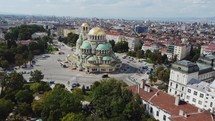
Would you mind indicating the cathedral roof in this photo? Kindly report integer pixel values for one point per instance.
(86, 45)
(84, 25)
(103, 47)
(96, 31)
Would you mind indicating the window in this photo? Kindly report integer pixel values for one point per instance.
(176, 86)
(194, 100)
(188, 97)
(189, 90)
(175, 92)
(212, 97)
(200, 102)
(211, 104)
(157, 113)
(151, 110)
(170, 83)
(170, 90)
(182, 88)
(164, 117)
(201, 95)
(195, 93)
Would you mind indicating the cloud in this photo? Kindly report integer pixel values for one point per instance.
(111, 8)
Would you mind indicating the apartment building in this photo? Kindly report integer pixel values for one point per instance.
(181, 51)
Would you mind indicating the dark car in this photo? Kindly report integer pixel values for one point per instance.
(75, 85)
(105, 76)
(51, 82)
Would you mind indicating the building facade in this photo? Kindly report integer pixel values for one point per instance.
(194, 82)
(93, 52)
(164, 107)
(181, 51)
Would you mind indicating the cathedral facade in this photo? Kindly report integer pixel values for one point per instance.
(93, 52)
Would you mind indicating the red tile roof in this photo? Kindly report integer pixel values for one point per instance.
(202, 116)
(24, 42)
(166, 102)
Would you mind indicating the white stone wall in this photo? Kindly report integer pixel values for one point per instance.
(195, 97)
(155, 110)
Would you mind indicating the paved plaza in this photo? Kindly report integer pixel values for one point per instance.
(50, 66)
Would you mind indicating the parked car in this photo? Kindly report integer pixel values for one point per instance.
(105, 76)
(74, 85)
(52, 82)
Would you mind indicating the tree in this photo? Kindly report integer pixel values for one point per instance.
(24, 109)
(6, 107)
(19, 59)
(24, 96)
(74, 117)
(164, 58)
(36, 76)
(30, 57)
(138, 46)
(4, 64)
(71, 39)
(121, 47)
(113, 101)
(37, 107)
(112, 42)
(140, 54)
(59, 102)
(157, 70)
(148, 54)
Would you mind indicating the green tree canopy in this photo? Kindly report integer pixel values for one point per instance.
(112, 100)
(58, 103)
(6, 107)
(36, 76)
(24, 96)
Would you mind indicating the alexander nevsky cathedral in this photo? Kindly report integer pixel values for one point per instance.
(93, 52)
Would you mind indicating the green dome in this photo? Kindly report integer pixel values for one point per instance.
(85, 45)
(106, 58)
(103, 47)
(80, 40)
(93, 58)
(108, 43)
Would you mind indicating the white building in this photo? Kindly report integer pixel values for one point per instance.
(201, 94)
(164, 107)
(39, 35)
(151, 47)
(208, 49)
(192, 82)
(1, 35)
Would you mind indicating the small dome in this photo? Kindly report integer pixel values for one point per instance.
(84, 25)
(106, 58)
(109, 45)
(96, 31)
(102, 47)
(85, 45)
(93, 58)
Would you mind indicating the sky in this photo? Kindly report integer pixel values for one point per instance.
(111, 8)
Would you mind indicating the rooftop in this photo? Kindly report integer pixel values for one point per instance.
(198, 85)
(166, 103)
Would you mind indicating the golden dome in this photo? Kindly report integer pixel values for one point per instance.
(84, 25)
(96, 31)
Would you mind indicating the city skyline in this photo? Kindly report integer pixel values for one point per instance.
(111, 8)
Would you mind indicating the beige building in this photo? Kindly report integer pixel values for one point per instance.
(182, 51)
